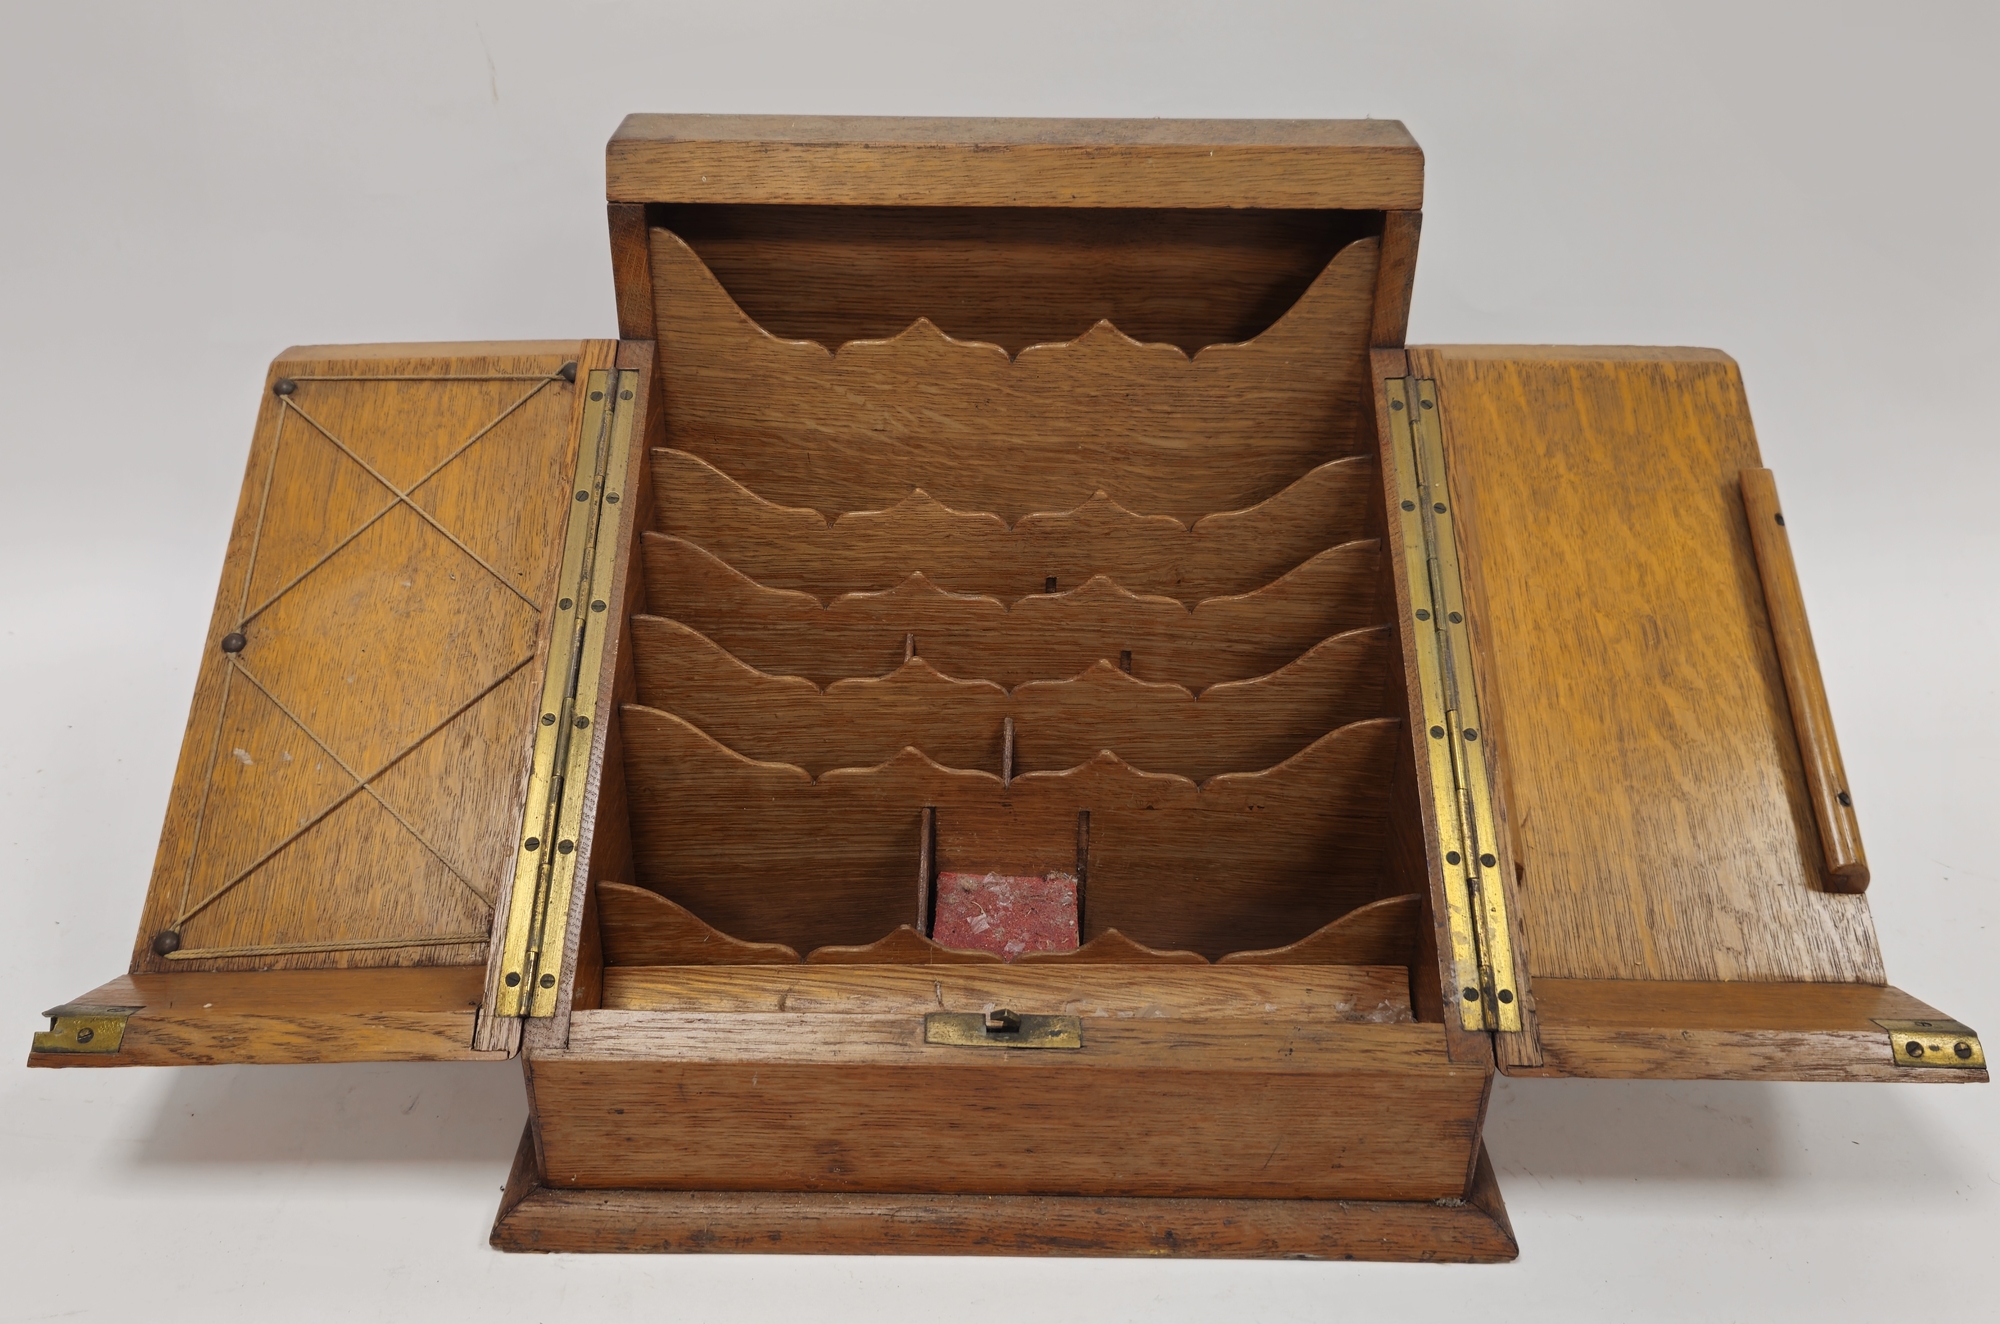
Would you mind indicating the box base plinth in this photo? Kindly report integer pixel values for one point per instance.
(536, 1218)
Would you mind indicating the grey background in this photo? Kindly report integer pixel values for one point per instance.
(185, 190)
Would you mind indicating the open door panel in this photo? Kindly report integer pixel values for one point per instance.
(343, 816)
(1680, 858)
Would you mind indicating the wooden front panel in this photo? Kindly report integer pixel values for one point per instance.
(1649, 763)
(352, 776)
(1200, 1106)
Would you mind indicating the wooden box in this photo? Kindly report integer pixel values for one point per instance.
(1046, 501)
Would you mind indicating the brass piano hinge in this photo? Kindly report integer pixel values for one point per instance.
(545, 862)
(80, 1027)
(1481, 944)
(1945, 1044)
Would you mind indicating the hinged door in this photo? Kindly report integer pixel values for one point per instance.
(339, 853)
(1650, 860)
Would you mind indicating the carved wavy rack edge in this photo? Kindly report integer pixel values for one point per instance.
(1105, 763)
(1101, 335)
(1100, 506)
(917, 583)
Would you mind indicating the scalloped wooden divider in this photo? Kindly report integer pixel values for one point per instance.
(1380, 933)
(644, 928)
(790, 547)
(1240, 726)
(1293, 847)
(1041, 637)
(1162, 433)
(1244, 862)
(905, 946)
(1111, 948)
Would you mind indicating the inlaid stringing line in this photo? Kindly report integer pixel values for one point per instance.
(416, 509)
(244, 618)
(279, 704)
(297, 948)
(360, 785)
(222, 711)
(399, 498)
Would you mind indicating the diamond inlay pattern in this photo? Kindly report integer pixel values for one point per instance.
(370, 729)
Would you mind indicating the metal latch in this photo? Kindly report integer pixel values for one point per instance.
(82, 1027)
(1002, 1028)
(1946, 1044)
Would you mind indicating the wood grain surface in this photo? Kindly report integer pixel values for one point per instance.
(1658, 807)
(1161, 433)
(766, 854)
(199, 1018)
(899, 161)
(644, 928)
(350, 780)
(1845, 863)
(1240, 726)
(1661, 1030)
(1046, 636)
(1474, 1230)
(1376, 995)
(1147, 1106)
(1380, 933)
(1014, 276)
(792, 547)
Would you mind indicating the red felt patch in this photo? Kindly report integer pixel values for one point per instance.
(1006, 914)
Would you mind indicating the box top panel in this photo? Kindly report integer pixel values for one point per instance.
(905, 161)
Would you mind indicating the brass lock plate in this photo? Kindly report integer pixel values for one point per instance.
(77, 1027)
(1945, 1044)
(1002, 1029)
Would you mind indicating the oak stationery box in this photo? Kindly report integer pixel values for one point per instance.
(1010, 712)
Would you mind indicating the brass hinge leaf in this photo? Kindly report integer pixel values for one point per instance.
(1461, 791)
(545, 861)
(81, 1027)
(1940, 1044)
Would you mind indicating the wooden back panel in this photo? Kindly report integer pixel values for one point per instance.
(1159, 432)
(350, 783)
(1015, 276)
(1041, 637)
(1237, 727)
(1650, 764)
(792, 547)
(766, 854)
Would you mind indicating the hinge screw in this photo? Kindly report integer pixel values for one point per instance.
(548, 981)
(610, 498)
(1506, 995)
(548, 719)
(568, 371)
(513, 979)
(234, 642)
(1914, 1049)
(582, 722)
(597, 395)
(1395, 404)
(532, 843)
(1472, 995)
(1961, 1050)
(565, 847)
(166, 940)
(85, 1035)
